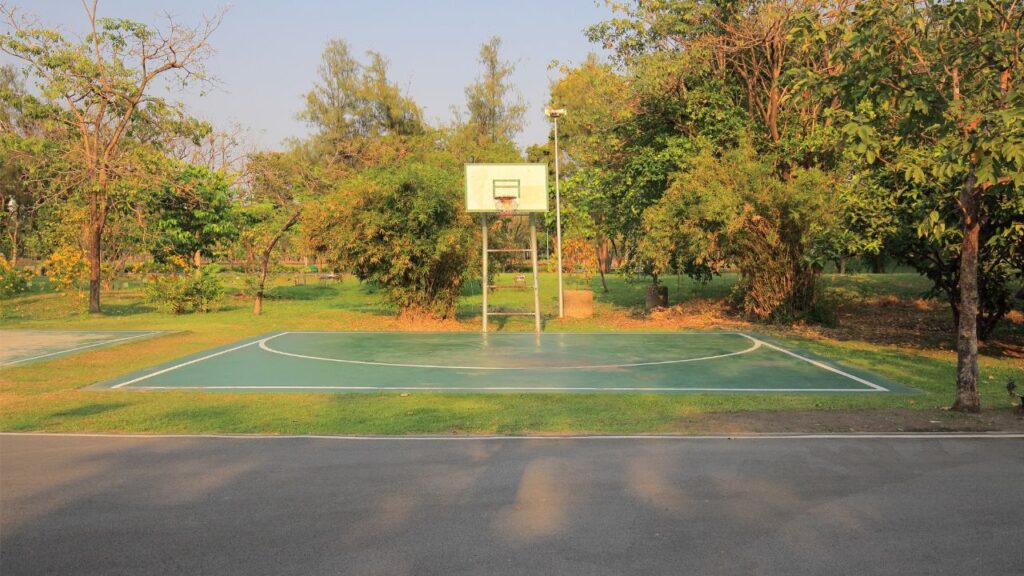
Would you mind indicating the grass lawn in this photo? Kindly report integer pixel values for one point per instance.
(50, 396)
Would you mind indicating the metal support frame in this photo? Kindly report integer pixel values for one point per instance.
(558, 229)
(485, 285)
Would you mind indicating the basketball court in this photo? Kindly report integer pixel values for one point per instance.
(730, 362)
(24, 346)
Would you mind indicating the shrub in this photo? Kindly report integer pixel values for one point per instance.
(406, 231)
(579, 261)
(66, 267)
(12, 280)
(737, 210)
(200, 291)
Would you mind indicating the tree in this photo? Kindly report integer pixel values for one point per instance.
(935, 108)
(404, 228)
(271, 206)
(592, 144)
(737, 209)
(748, 44)
(191, 215)
(33, 170)
(632, 125)
(495, 112)
(101, 86)
(354, 104)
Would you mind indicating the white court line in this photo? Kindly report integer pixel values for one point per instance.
(508, 388)
(69, 350)
(183, 364)
(464, 438)
(530, 334)
(263, 346)
(824, 366)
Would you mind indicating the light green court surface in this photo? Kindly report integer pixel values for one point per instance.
(24, 346)
(508, 362)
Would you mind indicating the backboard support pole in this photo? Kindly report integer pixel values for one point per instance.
(483, 281)
(536, 285)
(485, 286)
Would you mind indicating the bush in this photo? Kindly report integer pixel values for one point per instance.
(406, 231)
(66, 267)
(12, 280)
(197, 292)
(579, 261)
(736, 210)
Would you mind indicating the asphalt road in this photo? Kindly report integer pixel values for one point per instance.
(138, 506)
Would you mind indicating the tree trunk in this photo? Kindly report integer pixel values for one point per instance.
(197, 259)
(967, 399)
(602, 252)
(14, 242)
(876, 262)
(257, 306)
(93, 242)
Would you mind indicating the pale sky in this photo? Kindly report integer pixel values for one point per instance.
(268, 51)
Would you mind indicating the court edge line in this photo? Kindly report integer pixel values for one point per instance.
(750, 436)
(263, 346)
(505, 388)
(62, 331)
(70, 350)
(176, 366)
(262, 343)
(821, 365)
(532, 334)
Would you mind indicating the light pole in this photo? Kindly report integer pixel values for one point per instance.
(556, 113)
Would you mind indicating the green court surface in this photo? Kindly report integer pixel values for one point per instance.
(24, 346)
(508, 362)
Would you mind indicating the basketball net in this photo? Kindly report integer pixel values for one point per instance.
(507, 206)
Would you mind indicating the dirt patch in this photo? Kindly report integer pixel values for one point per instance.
(890, 320)
(845, 421)
(579, 303)
(696, 314)
(914, 323)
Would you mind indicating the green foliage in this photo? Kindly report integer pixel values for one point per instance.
(629, 130)
(354, 102)
(200, 291)
(494, 115)
(403, 228)
(94, 101)
(932, 110)
(192, 213)
(737, 210)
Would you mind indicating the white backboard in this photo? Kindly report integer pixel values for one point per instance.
(528, 183)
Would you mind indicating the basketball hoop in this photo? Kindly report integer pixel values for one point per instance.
(507, 206)
(506, 191)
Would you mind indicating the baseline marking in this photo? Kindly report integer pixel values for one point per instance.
(470, 438)
(70, 350)
(263, 345)
(506, 388)
(525, 334)
(183, 364)
(823, 366)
